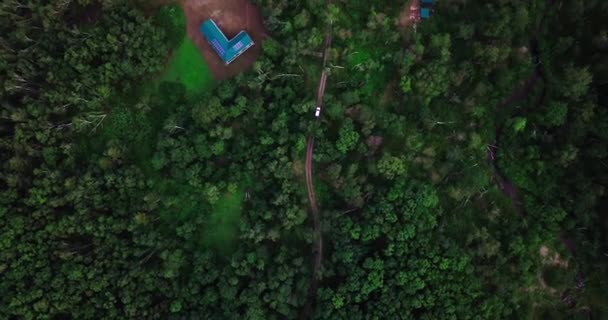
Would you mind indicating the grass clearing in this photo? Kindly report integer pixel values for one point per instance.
(188, 67)
(217, 224)
(136, 127)
(135, 123)
(224, 221)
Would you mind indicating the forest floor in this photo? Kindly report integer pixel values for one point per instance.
(232, 16)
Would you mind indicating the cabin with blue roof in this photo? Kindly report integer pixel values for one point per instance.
(425, 9)
(425, 13)
(228, 50)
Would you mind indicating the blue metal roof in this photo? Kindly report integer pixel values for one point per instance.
(425, 13)
(228, 50)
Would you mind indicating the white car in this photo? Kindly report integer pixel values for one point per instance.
(318, 112)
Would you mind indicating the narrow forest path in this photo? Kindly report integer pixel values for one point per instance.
(518, 94)
(504, 184)
(312, 200)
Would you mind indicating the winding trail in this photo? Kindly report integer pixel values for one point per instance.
(510, 190)
(314, 210)
(504, 184)
(518, 94)
(310, 188)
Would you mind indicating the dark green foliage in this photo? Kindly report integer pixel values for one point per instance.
(556, 277)
(446, 162)
(173, 20)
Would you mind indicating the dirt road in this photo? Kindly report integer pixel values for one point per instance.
(314, 209)
(312, 200)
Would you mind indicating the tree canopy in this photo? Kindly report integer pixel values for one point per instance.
(460, 166)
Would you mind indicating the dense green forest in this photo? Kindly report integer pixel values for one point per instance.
(461, 168)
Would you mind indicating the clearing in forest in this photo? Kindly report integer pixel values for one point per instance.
(223, 224)
(232, 16)
(188, 68)
(182, 202)
(186, 65)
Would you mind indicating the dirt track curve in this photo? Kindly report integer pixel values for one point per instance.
(310, 188)
(314, 209)
(504, 184)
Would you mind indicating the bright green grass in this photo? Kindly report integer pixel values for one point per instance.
(186, 76)
(182, 203)
(137, 129)
(190, 69)
(358, 57)
(224, 220)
